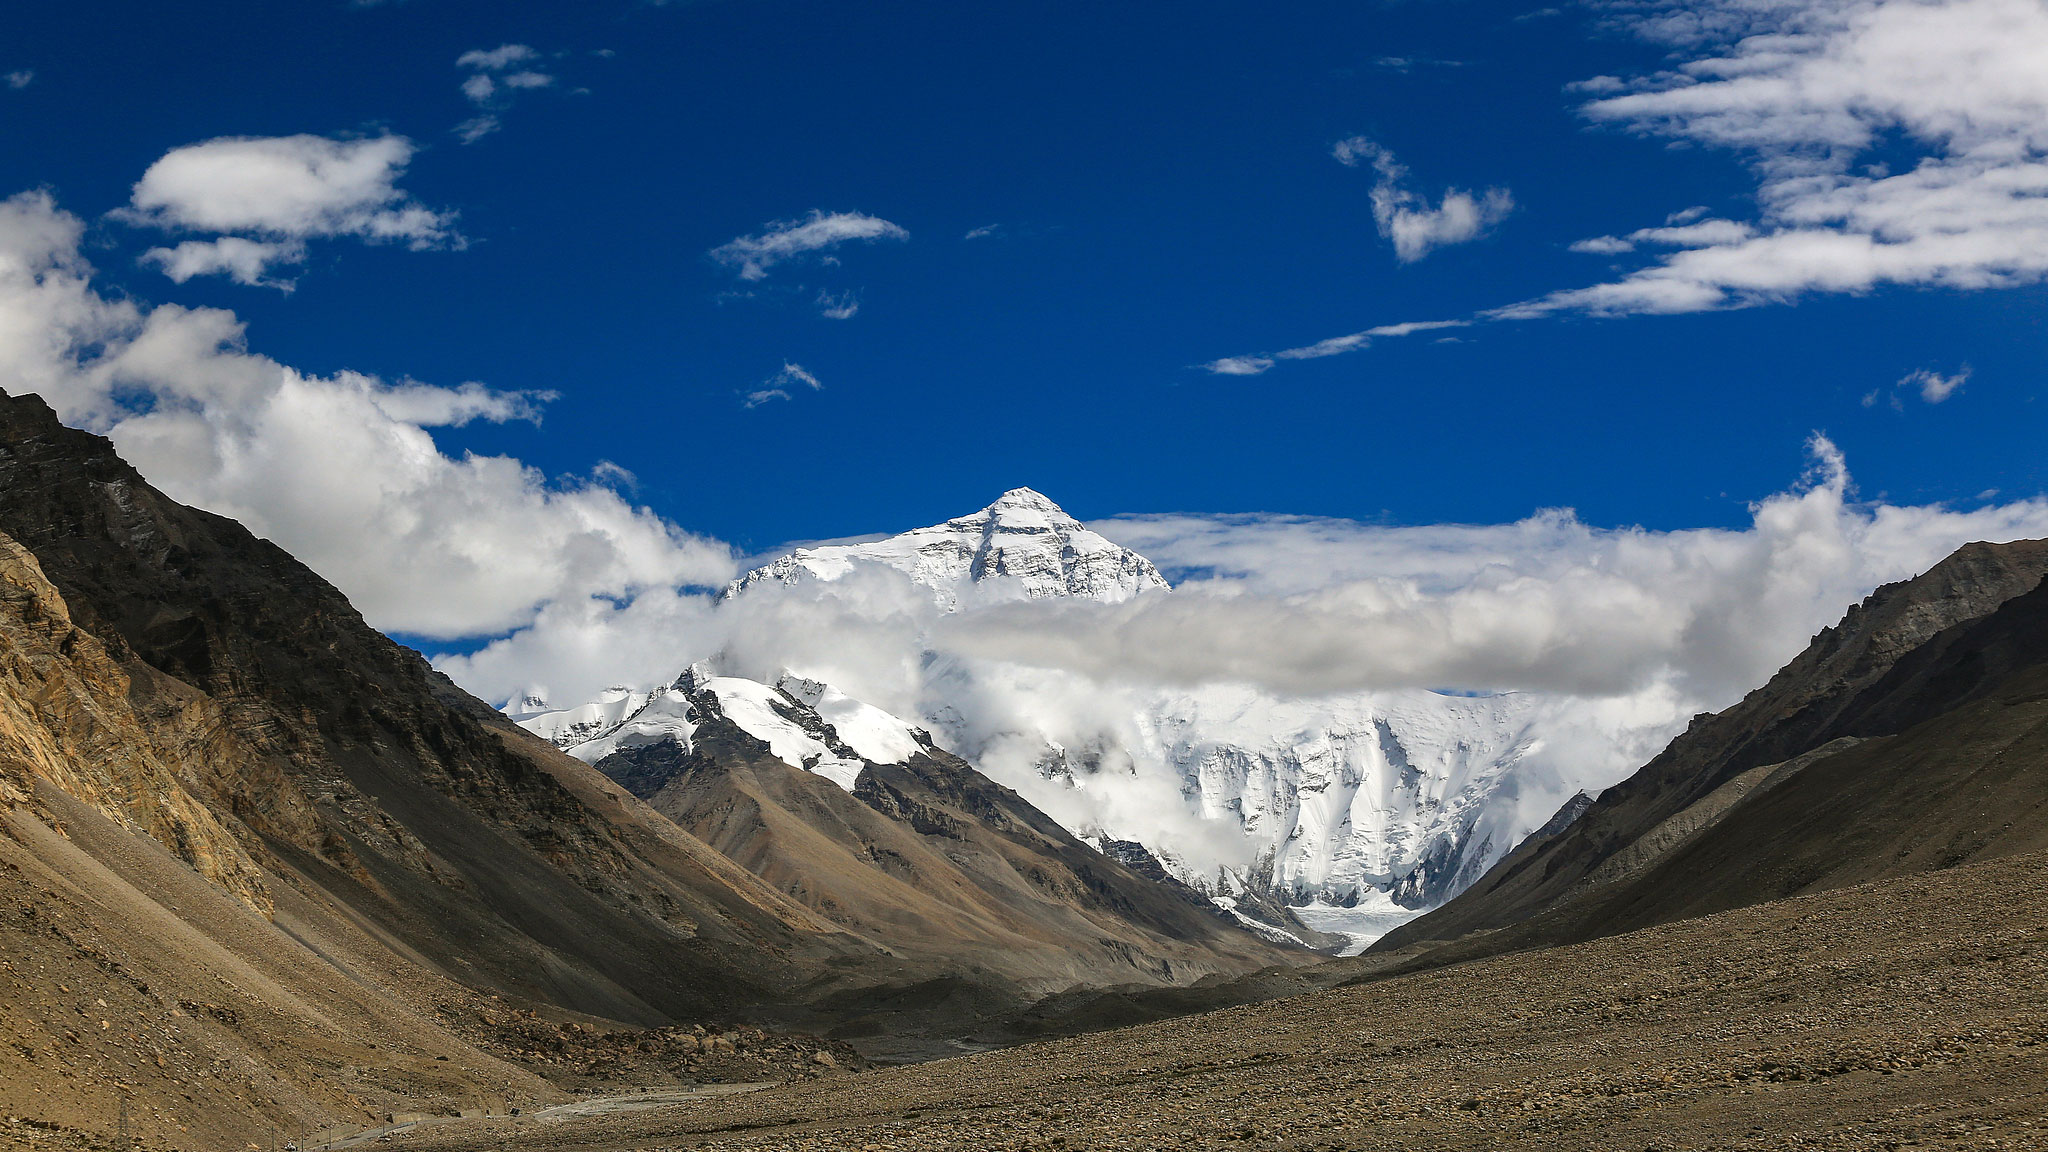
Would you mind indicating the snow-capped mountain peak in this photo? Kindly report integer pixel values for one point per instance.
(1023, 539)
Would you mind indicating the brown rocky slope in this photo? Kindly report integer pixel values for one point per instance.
(274, 839)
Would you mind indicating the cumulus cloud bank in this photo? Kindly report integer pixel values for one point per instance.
(271, 195)
(1613, 637)
(341, 470)
(1304, 607)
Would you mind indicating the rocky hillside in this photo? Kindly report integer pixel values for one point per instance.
(256, 842)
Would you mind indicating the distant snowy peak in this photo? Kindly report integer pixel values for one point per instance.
(1022, 538)
(804, 723)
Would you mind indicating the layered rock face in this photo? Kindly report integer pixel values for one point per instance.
(1909, 736)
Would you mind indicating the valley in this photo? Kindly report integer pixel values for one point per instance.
(265, 874)
(1893, 1014)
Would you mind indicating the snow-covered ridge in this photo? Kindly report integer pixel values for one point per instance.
(805, 724)
(1022, 537)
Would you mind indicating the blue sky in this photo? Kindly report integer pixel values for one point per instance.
(1162, 192)
(526, 323)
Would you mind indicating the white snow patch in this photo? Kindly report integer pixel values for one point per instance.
(874, 735)
(1258, 927)
(1374, 917)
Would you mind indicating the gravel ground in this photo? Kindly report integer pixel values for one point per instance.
(1909, 1013)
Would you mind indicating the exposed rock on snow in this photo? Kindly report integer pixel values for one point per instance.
(1023, 539)
(805, 724)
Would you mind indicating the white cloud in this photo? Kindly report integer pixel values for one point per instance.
(1407, 219)
(279, 192)
(496, 59)
(477, 127)
(1238, 365)
(1617, 635)
(1334, 346)
(776, 387)
(1808, 93)
(20, 79)
(243, 260)
(838, 306)
(783, 240)
(496, 74)
(1305, 606)
(1933, 386)
(297, 186)
(341, 470)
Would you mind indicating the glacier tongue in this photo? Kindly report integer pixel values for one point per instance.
(1023, 540)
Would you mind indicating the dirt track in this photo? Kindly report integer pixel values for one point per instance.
(1907, 1013)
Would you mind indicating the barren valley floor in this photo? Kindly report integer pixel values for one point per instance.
(1907, 1013)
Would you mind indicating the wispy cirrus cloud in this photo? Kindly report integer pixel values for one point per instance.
(1334, 346)
(838, 305)
(777, 387)
(495, 76)
(784, 240)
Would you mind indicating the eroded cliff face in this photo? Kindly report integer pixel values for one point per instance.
(67, 720)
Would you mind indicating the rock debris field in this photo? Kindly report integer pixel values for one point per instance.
(1906, 1013)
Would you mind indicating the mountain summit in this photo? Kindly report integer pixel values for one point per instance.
(1022, 537)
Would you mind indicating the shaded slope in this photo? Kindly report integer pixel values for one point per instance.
(337, 755)
(939, 865)
(1822, 695)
